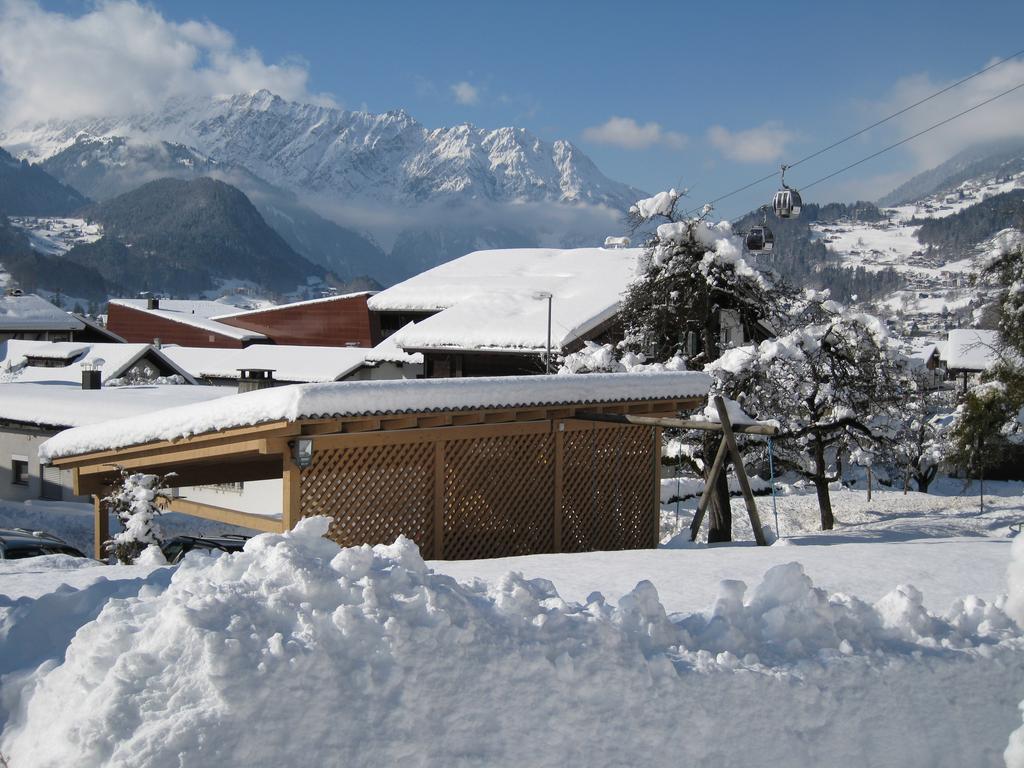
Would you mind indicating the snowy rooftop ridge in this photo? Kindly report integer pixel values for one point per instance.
(198, 314)
(33, 313)
(374, 398)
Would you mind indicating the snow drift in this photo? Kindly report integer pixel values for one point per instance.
(1015, 608)
(297, 651)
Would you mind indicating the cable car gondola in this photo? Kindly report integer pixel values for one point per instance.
(787, 202)
(760, 238)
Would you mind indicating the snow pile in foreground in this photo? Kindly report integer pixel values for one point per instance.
(298, 652)
(1015, 608)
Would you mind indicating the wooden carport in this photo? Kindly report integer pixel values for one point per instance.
(477, 480)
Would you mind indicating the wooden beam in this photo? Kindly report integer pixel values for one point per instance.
(180, 455)
(119, 455)
(656, 449)
(291, 492)
(654, 421)
(363, 425)
(741, 473)
(438, 519)
(100, 528)
(556, 521)
(709, 485)
(226, 516)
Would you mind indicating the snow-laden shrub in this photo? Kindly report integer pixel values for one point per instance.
(136, 501)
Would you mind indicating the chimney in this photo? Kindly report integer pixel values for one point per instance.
(92, 373)
(152, 303)
(251, 379)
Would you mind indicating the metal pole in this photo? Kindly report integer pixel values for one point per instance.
(547, 357)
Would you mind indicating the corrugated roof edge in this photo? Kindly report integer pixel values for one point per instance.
(374, 398)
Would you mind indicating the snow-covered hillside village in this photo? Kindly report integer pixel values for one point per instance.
(478, 385)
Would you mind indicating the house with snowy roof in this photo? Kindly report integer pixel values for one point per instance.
(32, 411)
(967, 352)
(291, 364)
(26, 316)
(46, 387)
(489, 312)
(336, 321)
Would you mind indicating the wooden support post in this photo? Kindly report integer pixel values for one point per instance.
(656, 450)
(556, 517)
(439, 500)
(709, 485)
(101, 528)
(869, 482)
(291, 502)
(741, 474)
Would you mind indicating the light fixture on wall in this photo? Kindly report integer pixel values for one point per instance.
(302, 452)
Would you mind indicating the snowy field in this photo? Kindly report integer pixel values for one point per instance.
(814, 651)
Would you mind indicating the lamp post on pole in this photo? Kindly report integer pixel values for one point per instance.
(540, 296)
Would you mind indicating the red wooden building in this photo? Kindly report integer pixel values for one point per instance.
(335, 321)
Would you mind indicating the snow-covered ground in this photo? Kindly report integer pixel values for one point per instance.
(298, 652)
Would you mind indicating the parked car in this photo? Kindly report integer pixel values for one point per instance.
(175, 549)
(18, 543)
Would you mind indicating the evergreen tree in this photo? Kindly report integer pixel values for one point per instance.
(136, 501)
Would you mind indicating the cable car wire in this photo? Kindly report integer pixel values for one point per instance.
(854, 135)
(913, 136)
(904, 110)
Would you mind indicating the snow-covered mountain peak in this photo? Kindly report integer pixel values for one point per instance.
(341, 154)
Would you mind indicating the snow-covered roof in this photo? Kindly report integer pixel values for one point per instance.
(967, 349)
(117, 359)
(372, 398)
(62, 405)
(198, 314)
(302, 364)
(33, 313)
(388, 351)
(489, 299)
(307, 302)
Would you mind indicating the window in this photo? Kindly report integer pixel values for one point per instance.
(19, 471)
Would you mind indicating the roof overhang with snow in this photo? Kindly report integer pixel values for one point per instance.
(408, 451)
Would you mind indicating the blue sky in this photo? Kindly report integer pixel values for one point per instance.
(718, 94)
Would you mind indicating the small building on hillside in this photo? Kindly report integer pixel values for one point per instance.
(335, 321)
(968, 352)
(32, 318)
(466, 468)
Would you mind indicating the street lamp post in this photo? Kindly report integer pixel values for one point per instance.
(540, 296)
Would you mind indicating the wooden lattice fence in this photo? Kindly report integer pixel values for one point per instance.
(490, 490)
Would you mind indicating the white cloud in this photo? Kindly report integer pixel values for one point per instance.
(1002, 119)
(627, 133)
(762, 144)
(465, 93)
(122, 57)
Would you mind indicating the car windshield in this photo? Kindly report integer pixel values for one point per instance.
(21, 551)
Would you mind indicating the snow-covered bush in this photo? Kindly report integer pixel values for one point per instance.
(136, 501)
